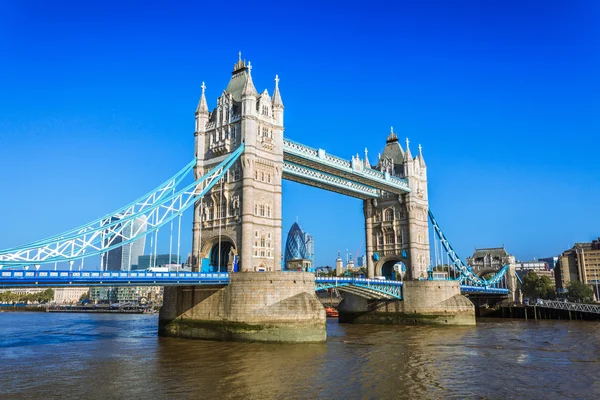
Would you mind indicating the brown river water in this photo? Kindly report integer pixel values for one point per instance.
(102, 356)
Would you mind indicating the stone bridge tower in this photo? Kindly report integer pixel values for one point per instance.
(397, 228)
(240, 218)
(237, 227)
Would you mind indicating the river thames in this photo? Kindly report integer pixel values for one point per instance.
(103, 356)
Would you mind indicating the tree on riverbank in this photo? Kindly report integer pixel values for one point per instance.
(579, 292)
(537, 288)
(42, 297)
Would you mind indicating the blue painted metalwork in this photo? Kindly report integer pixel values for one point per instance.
(372, 288)
(313, 177)
(91, 240)
(354, 171)
(150, 197)
(101, 278)
(369, 288)
(466, 274)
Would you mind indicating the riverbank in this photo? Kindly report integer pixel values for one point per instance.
(22, 307)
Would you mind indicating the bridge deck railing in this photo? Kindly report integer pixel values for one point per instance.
(86, 275)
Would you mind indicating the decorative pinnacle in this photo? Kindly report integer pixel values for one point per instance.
(391, 129)
(407, 142)
(276, 81)
(249, 67)
(203, 87)
(420, 148)
(239, 56)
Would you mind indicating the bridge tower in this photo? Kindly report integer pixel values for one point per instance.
(242, 216)
(240, 219)
(397, 229)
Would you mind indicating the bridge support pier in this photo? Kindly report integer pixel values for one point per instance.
(255, 306)
(424, 302)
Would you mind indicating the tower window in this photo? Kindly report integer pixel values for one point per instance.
(389, 215)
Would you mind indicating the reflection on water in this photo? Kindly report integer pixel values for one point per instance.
(120, 356)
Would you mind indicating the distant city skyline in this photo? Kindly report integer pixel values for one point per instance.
(503, 98)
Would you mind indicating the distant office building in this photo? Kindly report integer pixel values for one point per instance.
(126, 294)
(551, 261)
(582, 263)
(69, 295)
(296, 256)
(361, 261)
(122, 258)
(310, 246)
(531, 266)
(147, 261)
(102, 294)
(540, 268)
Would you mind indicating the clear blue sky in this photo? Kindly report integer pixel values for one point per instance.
(97, 107)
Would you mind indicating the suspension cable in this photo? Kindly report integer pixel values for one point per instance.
(171, 236)
(220, 211)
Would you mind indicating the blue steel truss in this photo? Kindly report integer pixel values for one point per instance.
(352, 171)
(466, 274)
(117, 229)
(368, 288)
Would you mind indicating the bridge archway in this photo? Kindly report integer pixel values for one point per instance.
(387, 267)
(218, 258)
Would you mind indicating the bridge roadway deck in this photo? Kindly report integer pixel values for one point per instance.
(19, 279)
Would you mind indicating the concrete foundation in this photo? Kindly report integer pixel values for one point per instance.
(255, 306)
(424, 302)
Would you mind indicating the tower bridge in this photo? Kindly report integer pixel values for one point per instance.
(240, 160)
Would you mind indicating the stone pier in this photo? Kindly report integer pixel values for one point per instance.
(424, 302)
(255, 306)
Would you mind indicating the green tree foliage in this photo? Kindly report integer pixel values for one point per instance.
(85, 296)
(537, 288)
(579, 292)
(11, 298)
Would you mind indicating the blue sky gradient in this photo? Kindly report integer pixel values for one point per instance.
(97, 107)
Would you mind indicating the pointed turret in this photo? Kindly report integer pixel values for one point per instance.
(249, 89)
(407, 154)
(408, 160)
(277, 104)
(367, 163)
(276, 95)
(420, 157)
(202, 105)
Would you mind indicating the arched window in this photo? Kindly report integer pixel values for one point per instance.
(389, 214)
(389, 238)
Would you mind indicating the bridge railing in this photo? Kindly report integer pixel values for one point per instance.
(323, 279)
(105, 275)
(322, 156)
(560, 305)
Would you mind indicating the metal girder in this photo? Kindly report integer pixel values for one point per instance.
(120, 228)
(353, 171)
(99, 278)
(465, 272)
(322, 180)
(368, 288)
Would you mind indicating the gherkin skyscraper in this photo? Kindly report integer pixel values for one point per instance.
(296, 255)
